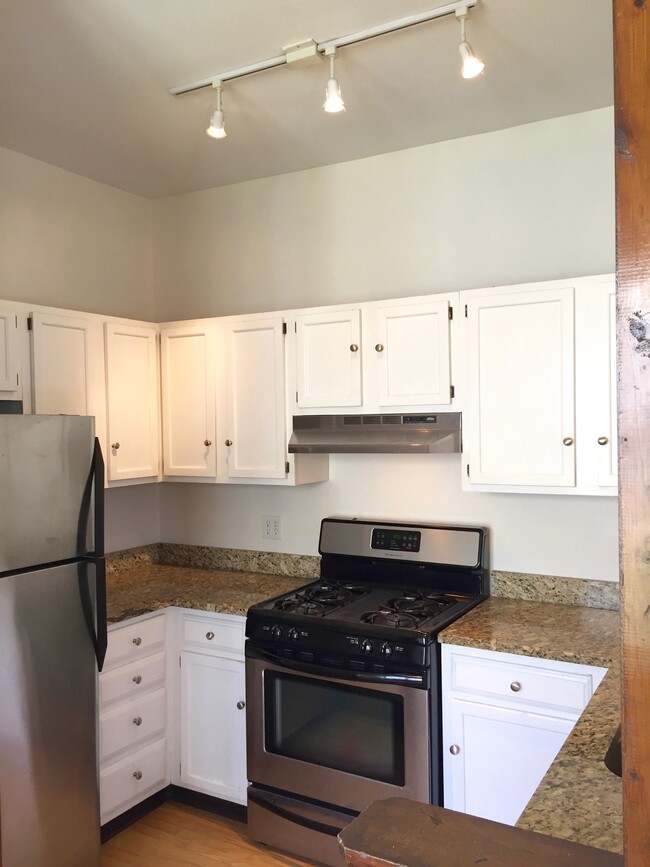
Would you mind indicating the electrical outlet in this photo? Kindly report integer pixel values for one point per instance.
(271, 527)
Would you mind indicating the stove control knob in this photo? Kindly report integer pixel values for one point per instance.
(293, 634)
(387, 649)
(276, 632)
(366, 647)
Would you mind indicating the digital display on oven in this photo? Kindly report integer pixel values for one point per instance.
(386, 539)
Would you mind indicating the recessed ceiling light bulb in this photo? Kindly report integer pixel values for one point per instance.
(333, 99)
(472, 66)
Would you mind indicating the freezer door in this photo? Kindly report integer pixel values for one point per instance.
(49, 809)
(46, 512)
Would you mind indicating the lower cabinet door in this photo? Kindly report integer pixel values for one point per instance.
(213, 726)
(494, 758)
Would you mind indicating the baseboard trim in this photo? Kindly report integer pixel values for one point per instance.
(119, 823)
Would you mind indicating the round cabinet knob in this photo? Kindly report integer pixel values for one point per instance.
(454, 749)
(294, 635)
(228, 442)
(366, 646)
(241, 705)
(354, 347)
(379, 347)
(137, 642)
(209, 635)
(567, 441)
(276, 632)
(115, 446)
(137, 775)
(602, 441)
(386, 649)
(137, 679)
(207, 443)
(515, 686)
(137, 720)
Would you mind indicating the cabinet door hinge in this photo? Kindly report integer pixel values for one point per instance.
(466, 311)
(286, 467)
(30, 323)
(295, 327)
(180, 661)
(296, 397)
(468, 471)
(16, 317)
(451, 312)
(452, 391)
(284, 327)
(17, 379)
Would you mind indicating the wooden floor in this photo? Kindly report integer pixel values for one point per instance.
(174, 834)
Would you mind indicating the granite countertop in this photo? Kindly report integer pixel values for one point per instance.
(578, 799)
(151, 587)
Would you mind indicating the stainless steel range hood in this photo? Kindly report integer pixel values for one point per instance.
(425, 433)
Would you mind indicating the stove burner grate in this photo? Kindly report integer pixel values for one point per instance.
(385, 617)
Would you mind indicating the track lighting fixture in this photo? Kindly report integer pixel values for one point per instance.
(472, 66)
(216, 128)
(333, 100)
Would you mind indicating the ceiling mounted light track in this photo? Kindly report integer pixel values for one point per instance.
(308, 51)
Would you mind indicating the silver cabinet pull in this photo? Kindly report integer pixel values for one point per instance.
(137, 679)
(602, 441)
(515, 686)
(454, 749)
(209, 635)
(115, 446)
(207, 443)
(354, 347)
(567, 441)
(379, 347)
(137, 720)
(228, 442)
(137, 641)
(137, 775)
(241, 705)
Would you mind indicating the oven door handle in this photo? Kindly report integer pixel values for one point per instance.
(416, 680)
(267, 801)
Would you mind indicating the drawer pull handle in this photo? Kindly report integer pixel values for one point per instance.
(354, 347)
(602, 441)
(137, 679)
(137, 641)
(137, 720)
(209, 635)
(241, 705)
(515, 686)
(454, 749)
(567, 441)
(137, 775)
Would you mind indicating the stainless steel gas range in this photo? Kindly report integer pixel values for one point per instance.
(343, 678)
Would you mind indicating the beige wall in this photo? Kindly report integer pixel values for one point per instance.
(66, 241)
(533, 202)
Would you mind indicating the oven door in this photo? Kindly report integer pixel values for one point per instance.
(344, 738)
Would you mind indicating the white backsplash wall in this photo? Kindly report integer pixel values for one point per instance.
(132, 516)
(569, 536)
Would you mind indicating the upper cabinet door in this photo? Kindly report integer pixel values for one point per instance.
(9, 351)
(255, 436)
(412, 354)
(521, 384)
(328, 357)
(602, 299)
(132, 393)
(188, 371)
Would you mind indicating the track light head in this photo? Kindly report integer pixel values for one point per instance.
(333, 99)
(217, 128)
(472, 65)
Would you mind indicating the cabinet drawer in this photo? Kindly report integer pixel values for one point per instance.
(132, 723)
(126, 782)
(562, 687)
(130, 681)
(135, 640)
(219, 634)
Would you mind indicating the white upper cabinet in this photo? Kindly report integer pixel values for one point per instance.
(328, 357)
(411, 353)
(68, 368)
(188, 373)
(9, 354)
(253, 439)
(520, 425)
(132, 399)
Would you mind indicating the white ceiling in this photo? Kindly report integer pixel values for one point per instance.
(85, 82)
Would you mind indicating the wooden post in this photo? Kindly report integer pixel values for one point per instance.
(632, 105)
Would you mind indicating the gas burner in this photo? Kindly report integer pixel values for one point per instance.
(329, 595)
(385, 617)
(422, 608)
(300, 605)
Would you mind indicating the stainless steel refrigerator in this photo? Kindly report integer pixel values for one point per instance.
(52, 639)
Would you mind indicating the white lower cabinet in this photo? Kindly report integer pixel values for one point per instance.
(133, 716)
(504, 719)
(212, 723)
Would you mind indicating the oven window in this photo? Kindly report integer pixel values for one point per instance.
(356, 730)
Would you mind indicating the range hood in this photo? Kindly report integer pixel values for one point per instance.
(427, 433)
